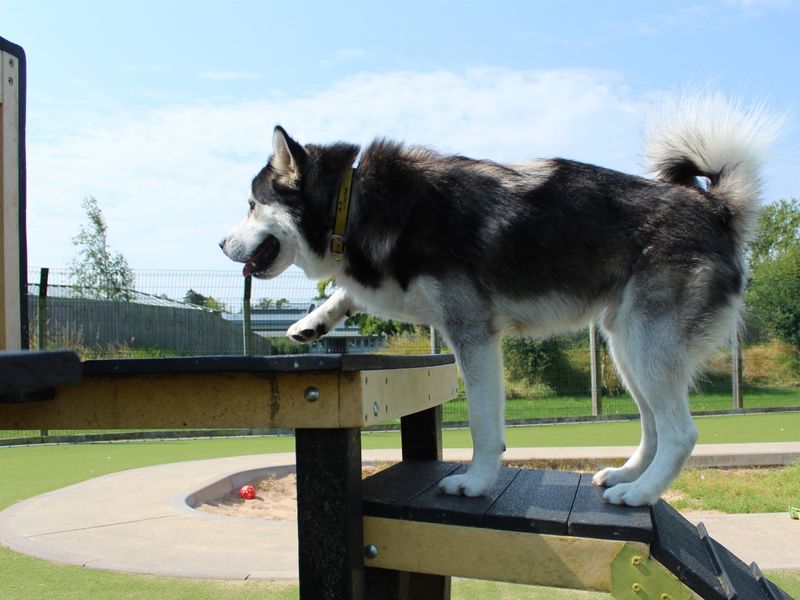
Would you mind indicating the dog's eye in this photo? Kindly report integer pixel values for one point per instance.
(251, 204)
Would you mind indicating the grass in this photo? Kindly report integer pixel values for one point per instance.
(738, 491)
(533, 404)
(28, 471)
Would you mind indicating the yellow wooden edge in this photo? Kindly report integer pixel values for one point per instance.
(235, 400)
(10, 323)
(374, 397)
(473, 552)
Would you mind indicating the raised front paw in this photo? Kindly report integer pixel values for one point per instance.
(306, 330)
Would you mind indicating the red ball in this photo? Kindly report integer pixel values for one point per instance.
(248, 492)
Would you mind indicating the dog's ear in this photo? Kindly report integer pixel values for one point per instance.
(288, 159)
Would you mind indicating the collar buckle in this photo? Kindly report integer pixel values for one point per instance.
(337, 247)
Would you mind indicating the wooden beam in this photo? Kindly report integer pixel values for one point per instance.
(477, 553)
(235, 399)
(10, 235)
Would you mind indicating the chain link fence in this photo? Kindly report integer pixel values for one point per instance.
(180, 313)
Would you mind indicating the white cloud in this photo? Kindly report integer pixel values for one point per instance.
(229, 76)
(171, 181)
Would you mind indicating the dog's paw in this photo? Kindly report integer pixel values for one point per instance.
(468, 484)
(306, 330)
(610, 476)
(630, 494)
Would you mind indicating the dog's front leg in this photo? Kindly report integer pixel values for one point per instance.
(480, 360)
(322, 319)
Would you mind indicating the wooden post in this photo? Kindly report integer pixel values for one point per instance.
(330, 527)
(421, 439)
(247, 323)
(736, 369)
(596, 370)
(13, 284)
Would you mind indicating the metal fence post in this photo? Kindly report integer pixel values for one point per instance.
(436, 346)
(42, 316)
(42, 319)
(594, 362)
(736, 369)
(247, 324)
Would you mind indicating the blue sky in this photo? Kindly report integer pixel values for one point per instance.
(164, 110)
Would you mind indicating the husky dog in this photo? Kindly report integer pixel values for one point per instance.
(478, 249)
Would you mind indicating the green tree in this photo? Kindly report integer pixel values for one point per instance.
(774, 295)
(322, 289)
(198, 299)
(779, 230)
(267, 303)
(372, 325)
(96, 270)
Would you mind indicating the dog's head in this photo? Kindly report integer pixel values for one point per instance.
(291, 208)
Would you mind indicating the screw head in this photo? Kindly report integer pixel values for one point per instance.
(636, 587)
(311, 394)
(371, 551)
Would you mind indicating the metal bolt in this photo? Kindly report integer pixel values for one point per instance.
(376, 408)
(371, 551)
(636, 560)
(636, 588)
(664, 597)
(311, 394)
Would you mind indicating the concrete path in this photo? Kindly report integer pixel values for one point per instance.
(138, 520)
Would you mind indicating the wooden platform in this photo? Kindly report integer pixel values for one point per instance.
(547, 528)
(317, 391)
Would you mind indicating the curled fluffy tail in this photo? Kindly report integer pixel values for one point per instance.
(709, 136)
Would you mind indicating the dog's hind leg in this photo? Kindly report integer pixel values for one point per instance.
(324, 318)
(644, 453)
(661, 371)
(480, 359)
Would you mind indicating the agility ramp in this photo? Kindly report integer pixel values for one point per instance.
(547, 528)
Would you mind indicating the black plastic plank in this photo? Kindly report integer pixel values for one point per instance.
(262, 364)
(592, 517)
(771, 591)
(744, 582)
(677, 545)
(433, 506)
(535, 501)
(386, 493)
(716, 562)
(28, 371)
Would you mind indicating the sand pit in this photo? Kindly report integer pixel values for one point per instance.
(276, 498)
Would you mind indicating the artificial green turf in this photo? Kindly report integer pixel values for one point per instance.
(32, 470)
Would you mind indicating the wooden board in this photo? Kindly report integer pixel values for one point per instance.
(477, 553)
(12, 236)
(212, 392)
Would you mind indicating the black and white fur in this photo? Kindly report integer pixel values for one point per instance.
(479, 249)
